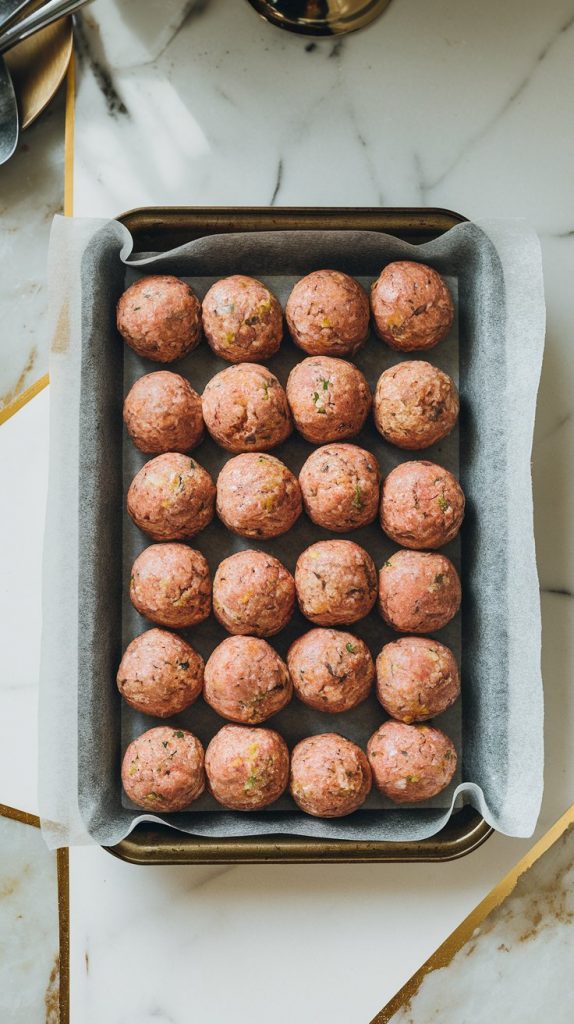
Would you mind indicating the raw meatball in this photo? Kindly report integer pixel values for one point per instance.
(246, 409)
(163, 770)
(329, 399)
(411, 762)
(160, 318)
(257, 496)
(330, 776)
(172, 497)
(242, 320)
(417, 678)
(328, 314)
(422, 505)
(419, 591)
(411, 305)
(162, 413)
(415, 405)
(160, 674)
(336, 582)
(247, 769)
(331, 670)
(253, 594)
(246, 680)
(340, 487)
(170, 584)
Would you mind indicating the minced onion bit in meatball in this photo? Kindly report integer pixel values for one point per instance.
(246, 680)
(411, 763)
(327, 313)
(160, 674)
(172, 497)
(163, 770)
(419, 591)
(422, 505)
(257, 496)
(330, 776)
(242, 320)
(412, 306)
(162, 413)
(247, 768)
(336, 582)
(253, 594)
(340, 487)
(246, 409)
(160, 318)
(329, 399)
(331, 670)
(170, 584)
(415, 404)
(417, 678)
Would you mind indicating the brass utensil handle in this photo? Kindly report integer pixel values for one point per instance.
(51, 11)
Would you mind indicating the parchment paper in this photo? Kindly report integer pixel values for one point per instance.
(494, 271)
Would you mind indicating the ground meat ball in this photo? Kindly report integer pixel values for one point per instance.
(328, 314)
(247, 769)
(246, 409)
(415, 404)
(417, 678)
(422, 505)
(163, 770)
(336, 582)
(253, 594)
(246, 680)
(340, 487)
(160, 674)
(329, 399)
(331, 670)
(172, 497)
(411, 762)
(330, 776)
(170, 585)
(160, 318)
(257, 496)
(412, 306)
(162, 413)
(419, 591)
(242, 320)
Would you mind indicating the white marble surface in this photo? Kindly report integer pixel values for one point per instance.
(458, 105)
(29, 937)
(31, 192)
(526, 945)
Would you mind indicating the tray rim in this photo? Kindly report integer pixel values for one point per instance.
(151, 844)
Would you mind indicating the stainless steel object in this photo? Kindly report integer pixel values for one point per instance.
(320, 17)
(9, 122)
(37, 20)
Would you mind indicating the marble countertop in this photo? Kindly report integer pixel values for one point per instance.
(441, 104)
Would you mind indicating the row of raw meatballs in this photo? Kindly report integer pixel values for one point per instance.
(247, 682)
(420, 504)
(246, 769)
(327, 313)
(335, 583)
(246, 409)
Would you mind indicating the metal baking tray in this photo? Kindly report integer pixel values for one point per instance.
(161, 229)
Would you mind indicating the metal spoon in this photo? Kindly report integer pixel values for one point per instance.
(9, 121)
(49, 12)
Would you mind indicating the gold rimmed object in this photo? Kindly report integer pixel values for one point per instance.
(38, 66)
(320, 17)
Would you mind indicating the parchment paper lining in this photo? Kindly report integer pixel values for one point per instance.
(501, 320)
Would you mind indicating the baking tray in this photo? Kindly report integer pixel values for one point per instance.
(161, 229)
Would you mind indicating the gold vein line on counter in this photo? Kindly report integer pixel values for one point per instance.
(460, 936)
(63, 884)
(34, 389)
